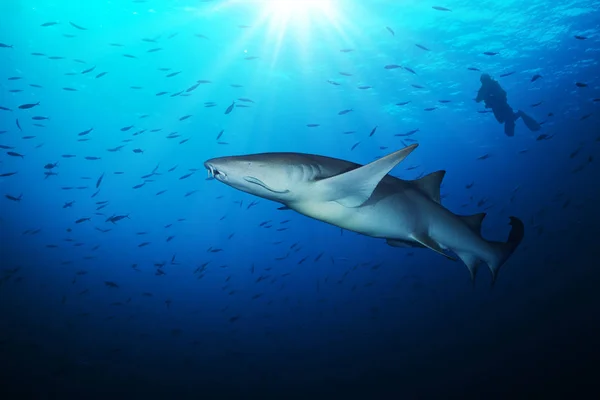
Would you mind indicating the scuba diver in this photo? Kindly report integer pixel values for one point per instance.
(494, 97)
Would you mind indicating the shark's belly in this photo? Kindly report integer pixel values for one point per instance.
(387, 218)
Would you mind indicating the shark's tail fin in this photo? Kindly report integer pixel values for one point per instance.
(502, 251)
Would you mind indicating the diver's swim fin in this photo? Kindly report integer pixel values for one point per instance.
(531, 123)
(509, 127)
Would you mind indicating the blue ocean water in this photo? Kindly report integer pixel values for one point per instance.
(126, 270)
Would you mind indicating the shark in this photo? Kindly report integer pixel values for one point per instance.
(368, 200)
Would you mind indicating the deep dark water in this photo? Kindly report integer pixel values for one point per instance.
(207, 292)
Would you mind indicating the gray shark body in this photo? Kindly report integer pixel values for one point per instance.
(365, 199)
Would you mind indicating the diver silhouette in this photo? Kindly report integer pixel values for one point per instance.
(494, 97)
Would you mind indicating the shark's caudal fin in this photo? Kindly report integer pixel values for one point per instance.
(501, 251)
(355, 187)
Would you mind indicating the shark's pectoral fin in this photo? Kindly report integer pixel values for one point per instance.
(430, 185)
(471, 262)
(258, 182)
(428, 242)
(402, 243)
(355, 187)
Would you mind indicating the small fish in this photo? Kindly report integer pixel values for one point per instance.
(230, 108)
(535, 77)
(422, 47)
(403, 103)
(392, 66)
(473, 69)
(430, 109)
(313, 125)
(343, 112)
(372, 131)
(13, 198)
(441, 8)
(88, 70)
(80, 220)
(99, 181)
(92, 158)
(579, 37)
(6, 46)
(45, 24)
(578, 84)
(507, 74)
(138, 151)
(172, 74)
(390, 30)
(28, 105)
(85, 132)
(409, 133)
(101, 74)
(81, 28)
(14, 154)
(491, 53)
(354, 146)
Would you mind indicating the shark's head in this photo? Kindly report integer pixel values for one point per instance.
(272, 176)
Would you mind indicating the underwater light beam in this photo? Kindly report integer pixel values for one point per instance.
(281, 12)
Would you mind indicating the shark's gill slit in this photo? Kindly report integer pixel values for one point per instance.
(258, 182)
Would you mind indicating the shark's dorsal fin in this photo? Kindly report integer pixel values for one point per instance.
(474, 221)
(428, 242)
(430, 185)
(355, 187)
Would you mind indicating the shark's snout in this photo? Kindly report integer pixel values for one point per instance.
(214, 171)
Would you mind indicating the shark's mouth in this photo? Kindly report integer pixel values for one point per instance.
(215, 173)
